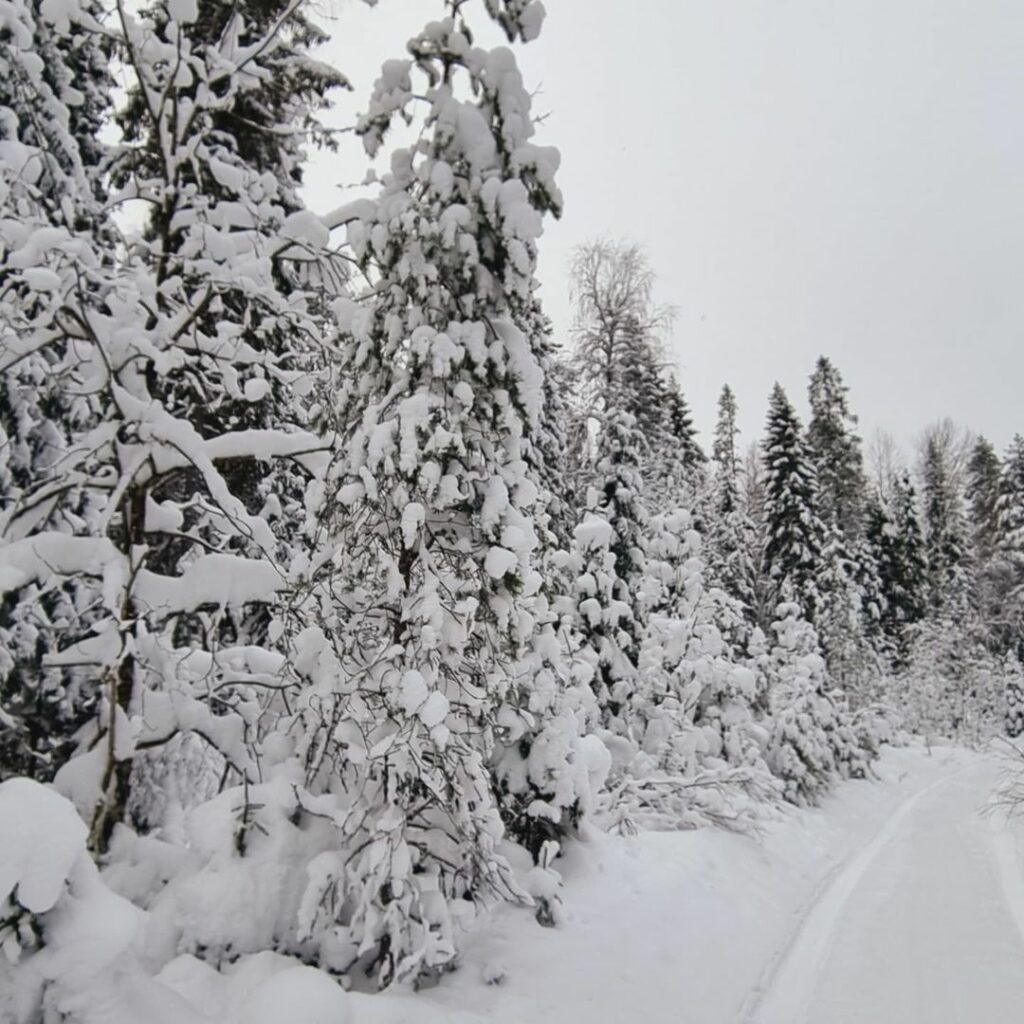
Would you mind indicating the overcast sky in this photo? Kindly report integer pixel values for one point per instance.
(806, 177)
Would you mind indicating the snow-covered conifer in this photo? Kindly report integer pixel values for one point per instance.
(834, 449)
(794, 533)
(813, 739)
(894, 538)
(946, 540)
(429, 504)
(54, 91)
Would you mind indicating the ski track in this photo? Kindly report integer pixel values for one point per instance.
(784, 996)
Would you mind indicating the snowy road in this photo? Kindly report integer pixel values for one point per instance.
(924, 925)
(892, 903)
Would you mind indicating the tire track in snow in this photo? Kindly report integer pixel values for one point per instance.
(1005, 851)
(784, 996)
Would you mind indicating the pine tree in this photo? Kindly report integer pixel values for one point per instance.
(835, 451)
(794, 534)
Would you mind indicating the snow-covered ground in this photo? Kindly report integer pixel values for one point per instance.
(896, 900)
(893, 901)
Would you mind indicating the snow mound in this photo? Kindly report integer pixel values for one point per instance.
(43, 837)
(297, 993)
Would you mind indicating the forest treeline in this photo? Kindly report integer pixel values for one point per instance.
(338, 595)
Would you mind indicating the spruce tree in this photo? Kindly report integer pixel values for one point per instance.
(895, 541)
(679, 428)
(835, 451)
(731, 535)
(984, 472)
(993, 572)
(428, 517)
(609, 547)
(795, 536)
(1010, 525)
(54, 94)
(946, 542)
(724, 453)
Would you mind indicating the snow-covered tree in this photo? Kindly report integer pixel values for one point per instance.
(952, 686)
(835, 450)
(55, 90)
(794, 533)
(946, 541)
(1013, 696)
(182, 536)
(897, 547)
(617, 326)
(732, 544)
(723, 451)
(1010, 544)
(814, 739)
(609, 568)
(984, 472)
(429, 529)
(679, 459)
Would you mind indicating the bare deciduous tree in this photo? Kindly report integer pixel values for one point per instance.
(612, 294)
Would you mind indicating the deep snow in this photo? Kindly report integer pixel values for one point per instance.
(693, 926)
(896, 900)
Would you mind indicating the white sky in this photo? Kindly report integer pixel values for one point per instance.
(806, 177)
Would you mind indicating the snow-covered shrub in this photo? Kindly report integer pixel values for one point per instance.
(952, 685)
(69, 948)
(548, 770)
(73, 949)
(604, 619)
(697, 757)
(421, 614)
(813, 738)
(1013, 691)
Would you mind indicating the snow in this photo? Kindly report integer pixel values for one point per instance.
(302, 993)
(60, 13)
(499, 562)
(662, 927)
(227, 580)
(184, 12)
(42, 838)
(307, 228)
(918, 926)
(895, 901)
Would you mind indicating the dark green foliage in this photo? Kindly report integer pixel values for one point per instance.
(946, 545)
(794, 533)
(835, 451)
(894, 539)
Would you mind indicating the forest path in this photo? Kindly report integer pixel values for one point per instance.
(924, 925)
